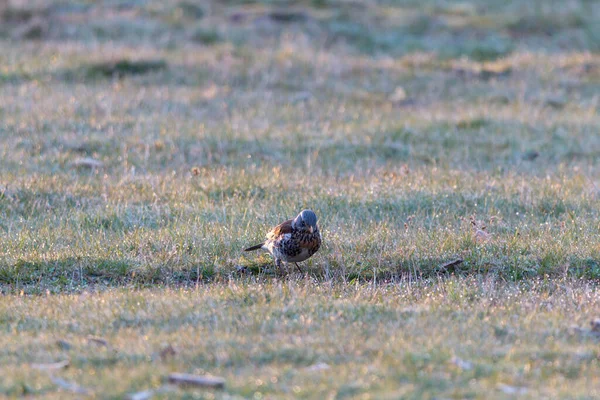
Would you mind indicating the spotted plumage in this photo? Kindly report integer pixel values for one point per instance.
(294, 240)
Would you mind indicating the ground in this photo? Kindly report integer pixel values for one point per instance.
(450, 150)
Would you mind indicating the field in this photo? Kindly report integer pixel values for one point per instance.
(450, 149)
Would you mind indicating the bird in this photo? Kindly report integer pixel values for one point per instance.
(294, 240)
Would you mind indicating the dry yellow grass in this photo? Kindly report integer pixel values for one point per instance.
(460, 337)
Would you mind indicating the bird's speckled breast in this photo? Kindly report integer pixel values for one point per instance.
(297, 246)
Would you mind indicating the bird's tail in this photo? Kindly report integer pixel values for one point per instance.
(258, 246)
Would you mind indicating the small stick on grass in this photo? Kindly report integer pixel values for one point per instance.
(97, 340)
(450, 266)
(212, 382)
(51, 366)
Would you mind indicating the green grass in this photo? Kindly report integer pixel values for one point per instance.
(296, 339)
(143, 145)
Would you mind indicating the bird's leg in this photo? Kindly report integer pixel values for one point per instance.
(278, 265)
(297, 266)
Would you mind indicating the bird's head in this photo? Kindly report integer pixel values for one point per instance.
(306, 221)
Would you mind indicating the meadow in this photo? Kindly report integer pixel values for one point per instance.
(450, 149)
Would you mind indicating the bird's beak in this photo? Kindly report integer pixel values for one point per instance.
(311, 229)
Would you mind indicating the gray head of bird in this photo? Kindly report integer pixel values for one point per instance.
(306, 221)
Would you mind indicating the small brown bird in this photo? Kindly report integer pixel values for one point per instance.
(294, 240)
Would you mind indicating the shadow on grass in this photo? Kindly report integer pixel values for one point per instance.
(78, 273)
(75, 274)
(120, 68)
(504, 267)
(91, 72)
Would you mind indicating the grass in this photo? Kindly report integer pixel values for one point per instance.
(144, 144)
(298, 339)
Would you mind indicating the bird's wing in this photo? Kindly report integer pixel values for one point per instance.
(279, 230)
